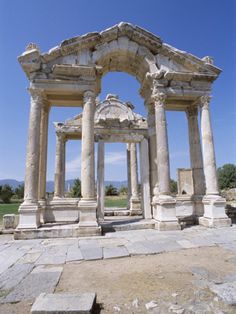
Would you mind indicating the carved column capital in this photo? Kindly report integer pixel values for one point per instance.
(159, 98)
(89, 96)
(61, 135)
(192, 111)
(205, 101)
(37, 94)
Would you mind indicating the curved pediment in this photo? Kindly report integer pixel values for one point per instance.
(110, 113)
(114, 113)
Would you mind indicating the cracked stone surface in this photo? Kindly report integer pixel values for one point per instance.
(31, 267)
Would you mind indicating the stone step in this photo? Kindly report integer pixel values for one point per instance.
(128, 225)
(58, 303)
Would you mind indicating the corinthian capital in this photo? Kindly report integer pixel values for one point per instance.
(159, 98)
(89, 96)
(192, 111)
(205, 101)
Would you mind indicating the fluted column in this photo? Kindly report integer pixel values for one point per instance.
(214, 204)
(164, 205)
(43, 153)
(208, 148)
(163, 168)
(59, 165)
(152, 149)
(128, 175)
(100, 180)
(88, 203)
(135, 204)
(195, 151)
(87, 165)
(29, 213)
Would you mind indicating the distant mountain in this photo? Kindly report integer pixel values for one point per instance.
(68, 184)
(13, 183)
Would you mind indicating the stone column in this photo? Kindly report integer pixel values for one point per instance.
(214, 204)
(196, 159)
(100, 180)
(135, 204)
(59, 166)
(145, 179)
(152, 149)
(128, 175)
(88, 203)
(164, 205)
(43, 159)
(29, 210)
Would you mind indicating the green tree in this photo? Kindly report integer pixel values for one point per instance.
(173, 186)
(123, 190)
(227, 176)
(111, 190)
(19, 191)
(76, 188)
(6, 193)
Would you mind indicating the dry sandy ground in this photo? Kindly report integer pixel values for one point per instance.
(167, 278)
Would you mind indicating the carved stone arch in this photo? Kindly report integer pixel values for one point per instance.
(125, 55)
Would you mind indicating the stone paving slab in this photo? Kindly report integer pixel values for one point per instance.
(64, 303)
(115, 252)
(73, 254)
(53, 256)
(91, 253)
(144, 248)
(41, 279)
(9, 257)
(13, 276)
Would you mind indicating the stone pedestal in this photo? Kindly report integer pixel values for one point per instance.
(214, 212)
(163, 205)
(214, 205)
(164, 212)
(88, 217)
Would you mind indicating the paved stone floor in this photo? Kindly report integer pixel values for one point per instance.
(26, 262)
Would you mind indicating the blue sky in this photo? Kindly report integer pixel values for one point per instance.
(203, 27)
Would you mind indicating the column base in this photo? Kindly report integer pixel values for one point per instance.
(164, 212)
(29, 216)
(214, 212)
(88, 213)
(135, 207)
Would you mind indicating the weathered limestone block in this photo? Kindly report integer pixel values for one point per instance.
(10, 221)
(64, 303)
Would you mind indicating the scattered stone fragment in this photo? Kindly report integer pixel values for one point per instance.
(116, 308)
(175, 308)
(226, 291)
(151, 305)
(135, 303)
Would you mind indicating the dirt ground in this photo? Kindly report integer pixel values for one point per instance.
(125, 285)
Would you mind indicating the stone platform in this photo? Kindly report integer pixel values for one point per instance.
(57, 230)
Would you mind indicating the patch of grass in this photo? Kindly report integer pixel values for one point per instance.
(11, 208)
(115, 201)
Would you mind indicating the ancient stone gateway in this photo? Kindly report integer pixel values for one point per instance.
(70, 75)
